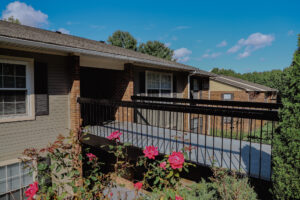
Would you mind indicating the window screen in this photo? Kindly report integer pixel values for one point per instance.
(13, 90)
(159, 84)
(13, 179)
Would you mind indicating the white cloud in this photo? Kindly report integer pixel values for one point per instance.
(65, 31)
(211, 55)
(290, 33)
(234, 49)
(244, 54)
(182, 55)
(181, 27)
(222, 44)
(168, 44)
(26, 14)
(254, 42)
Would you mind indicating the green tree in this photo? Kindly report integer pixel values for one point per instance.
(156, 48)
(12, 20)
(286, 143)
(123, 39)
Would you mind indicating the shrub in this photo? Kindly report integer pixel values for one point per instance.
(56, 173)
(286, 143)
(222, 186)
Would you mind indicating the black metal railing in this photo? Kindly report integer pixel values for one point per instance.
(239, 139)
(241, 104)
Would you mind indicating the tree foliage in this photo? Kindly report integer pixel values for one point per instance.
(286, 156)
(156, 48)
(12, 20)
(123, 39)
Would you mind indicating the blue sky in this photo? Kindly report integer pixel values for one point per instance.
(242, 35)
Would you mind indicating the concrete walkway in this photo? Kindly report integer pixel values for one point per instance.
(251, 158)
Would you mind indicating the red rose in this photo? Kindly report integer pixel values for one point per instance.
(114, 135)
(178, 198)
(91, 156)
(176, 160)
(150, 152)
(163, 165)
(138, 185)
(32, 190)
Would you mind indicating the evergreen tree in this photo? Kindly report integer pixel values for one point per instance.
(123, 39)
(286, 143)
(156, 48)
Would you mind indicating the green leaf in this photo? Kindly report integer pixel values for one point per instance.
(156, 180)
(87, 181)
(58, 168)
(170, 174)
(42, 166)
(80, 157)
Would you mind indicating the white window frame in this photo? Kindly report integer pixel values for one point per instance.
(5, 164)
(160, 74)
(30, 100)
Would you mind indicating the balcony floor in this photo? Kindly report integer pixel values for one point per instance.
(237, 155)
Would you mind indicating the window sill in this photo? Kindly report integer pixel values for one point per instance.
(17, 119)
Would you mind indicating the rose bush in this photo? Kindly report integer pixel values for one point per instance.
(162, 173)
(61, 160)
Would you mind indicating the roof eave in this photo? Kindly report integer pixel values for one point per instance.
(67, 49)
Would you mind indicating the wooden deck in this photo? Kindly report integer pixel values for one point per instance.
(243, 156)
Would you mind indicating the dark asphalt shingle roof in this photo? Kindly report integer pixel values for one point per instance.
(28, 33)
(39, 35)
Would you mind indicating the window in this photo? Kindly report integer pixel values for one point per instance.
(15, 89)
(195, 85)
(158, 84)
(227, 97)
(13, 179)
(194, 89)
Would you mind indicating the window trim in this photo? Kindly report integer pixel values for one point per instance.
(160, 73)
(29, 63)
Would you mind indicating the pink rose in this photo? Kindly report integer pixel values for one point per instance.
(150, 152)
(176, 160)
(178, 198)
(32, 190)
(114, 135)
(91, 156)
(163, 165)
(138, 185)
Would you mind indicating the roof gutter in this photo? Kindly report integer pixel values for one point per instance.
(67, 49)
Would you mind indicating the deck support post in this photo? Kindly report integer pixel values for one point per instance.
(75, 119)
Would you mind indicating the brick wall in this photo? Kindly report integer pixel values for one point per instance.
(124, 89)
(75, 92)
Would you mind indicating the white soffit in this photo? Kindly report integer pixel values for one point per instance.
(101, 62)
